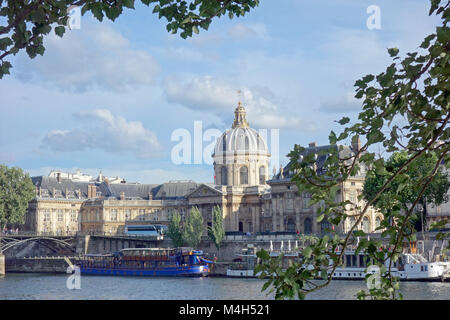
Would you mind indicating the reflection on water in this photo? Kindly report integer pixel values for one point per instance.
(46, 286)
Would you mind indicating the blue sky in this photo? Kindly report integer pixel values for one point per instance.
(109, 95)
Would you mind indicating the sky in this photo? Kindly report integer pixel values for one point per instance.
(109, 96)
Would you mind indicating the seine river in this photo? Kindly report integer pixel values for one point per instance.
(53, 286)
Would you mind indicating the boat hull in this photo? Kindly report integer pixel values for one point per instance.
(192, 271)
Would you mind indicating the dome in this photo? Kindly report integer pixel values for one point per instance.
(240, 138)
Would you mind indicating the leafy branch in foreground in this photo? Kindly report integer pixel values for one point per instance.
(23, 24)
(404, 109)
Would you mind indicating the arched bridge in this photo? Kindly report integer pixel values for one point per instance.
(56, 244)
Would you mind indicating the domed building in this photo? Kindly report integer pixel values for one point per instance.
(241, 157)
(241, 169)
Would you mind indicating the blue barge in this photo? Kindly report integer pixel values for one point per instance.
(147, 262)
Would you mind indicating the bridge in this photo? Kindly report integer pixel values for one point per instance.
(55, 244)
(28, 244)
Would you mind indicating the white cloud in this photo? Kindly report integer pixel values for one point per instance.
(342, 104)
(104, 131)
(244, 31)
(95, 56)
(220, 97)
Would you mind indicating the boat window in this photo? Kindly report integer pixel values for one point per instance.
(362, 262)
(348, 261)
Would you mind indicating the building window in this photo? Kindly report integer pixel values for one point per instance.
(291, 226)
(352, 197)
(365, 225)
(127, 214)
(47, 215)
(113, 214)
(60, 215)
(243, 172)
(306, 199)
(224, 175)
(224, 143)
(307, 224)
(325, 226)
(377, 223)
(73, 216)
(262, 175)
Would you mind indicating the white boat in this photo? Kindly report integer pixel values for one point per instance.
(412, 267)
(245, 262)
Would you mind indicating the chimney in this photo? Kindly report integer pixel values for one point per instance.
(122, 195)
(150, 196)
(58, 177)
(67, 191)
(92, 191)
(356, 144)
(312, 144)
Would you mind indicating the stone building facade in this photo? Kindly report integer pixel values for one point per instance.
(250, 200)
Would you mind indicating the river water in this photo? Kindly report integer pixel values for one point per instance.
(54, 286)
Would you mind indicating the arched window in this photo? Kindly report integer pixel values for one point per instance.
(243, 173)
(377, 223)
(224, 174)
(291, 227)
(365, 225)
(262, 175)
(241, 226)
(325, 226)
(351, 223)
(307, 225)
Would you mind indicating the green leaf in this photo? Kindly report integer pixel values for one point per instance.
(443, 34)
(307, 252)
(60, 31)
(128, 3)
(393, 52)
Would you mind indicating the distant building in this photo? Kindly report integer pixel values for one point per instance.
(250, 200)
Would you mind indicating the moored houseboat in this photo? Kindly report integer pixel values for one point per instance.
(147, 262)
(354, 266)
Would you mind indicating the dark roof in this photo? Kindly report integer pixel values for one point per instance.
(322, 156)
(51, 184)
(172, 190)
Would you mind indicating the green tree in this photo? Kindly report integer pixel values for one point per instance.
(405, 108)
(193, 228)
(16, 190)
(403, 192)
(175, 231)
(23, 24)
(217, 231)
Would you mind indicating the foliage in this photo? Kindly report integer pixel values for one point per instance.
(23, 24)
(406, 108)
(16, 190)
(193, 228)
(217, 231)
(175, 231)
(403, 192)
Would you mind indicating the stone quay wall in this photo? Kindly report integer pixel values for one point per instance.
(2, 264)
